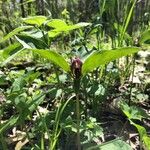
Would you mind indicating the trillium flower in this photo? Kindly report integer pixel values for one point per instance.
(76, 67)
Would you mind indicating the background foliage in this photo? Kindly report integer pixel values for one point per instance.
(64, 83)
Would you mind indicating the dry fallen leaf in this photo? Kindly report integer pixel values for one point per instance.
(20, 144)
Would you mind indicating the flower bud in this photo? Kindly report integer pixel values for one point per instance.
(76, 67)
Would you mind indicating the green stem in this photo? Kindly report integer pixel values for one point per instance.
(57, 74)
(57, 130)
(45, 126)
(101, 9)
(42, 142)
(2, 139)
(28, 136)
(78, 121)
(76, 89)
(86, 100)
(126, 22)
(131, 85)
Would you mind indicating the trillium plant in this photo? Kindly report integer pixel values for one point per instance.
(76, 68)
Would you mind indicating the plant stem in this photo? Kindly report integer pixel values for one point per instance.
(76, 89)
(86, 98)
(42, 142)
(131, 85)
(2, 139)
(45, 126)
(57, 75)
(78, 121)
(126, 22)
(57, 130)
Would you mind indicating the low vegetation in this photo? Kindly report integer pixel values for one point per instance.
(75, 85)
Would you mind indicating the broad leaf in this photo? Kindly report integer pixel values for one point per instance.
(14, 32)
(21, 81)
(18, 84)
(65, 28)
(36, 20)
(30, 106)
(8, 124)
(116, 144)
(141, 130)
(53, 34)
(36, 33)
(60, 25)
(54, 57)
(146, 140)
(10, 50)
(133, 112)
(105, 56)
(145, 37)
(56, 23)
(24, 44)
(27, 108)
(11, 57)
(47, 54)
(143, 135)
(71, 27)
(32, 41)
